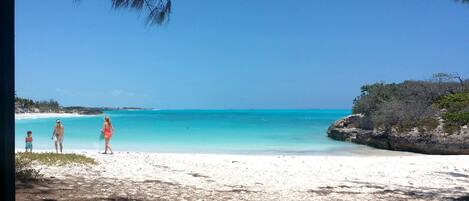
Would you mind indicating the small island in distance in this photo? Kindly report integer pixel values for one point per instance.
(25, 105)
(428, 116)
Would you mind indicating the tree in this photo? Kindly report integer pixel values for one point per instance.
(158, 10)
(416, 104)
(449, 77)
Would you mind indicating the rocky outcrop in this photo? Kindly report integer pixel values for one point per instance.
(432, 142)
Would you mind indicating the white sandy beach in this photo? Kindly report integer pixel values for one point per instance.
(20, 116)
(409, 176)
(361, 174)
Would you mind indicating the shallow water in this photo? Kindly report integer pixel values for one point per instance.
(200, 131)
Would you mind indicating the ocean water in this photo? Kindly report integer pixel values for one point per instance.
(199, 131)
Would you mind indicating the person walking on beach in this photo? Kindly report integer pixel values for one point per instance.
(58, 136)
(107, 132)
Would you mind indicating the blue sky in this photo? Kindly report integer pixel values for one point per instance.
(233, 54)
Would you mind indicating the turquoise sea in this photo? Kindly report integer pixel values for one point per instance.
(199, 131)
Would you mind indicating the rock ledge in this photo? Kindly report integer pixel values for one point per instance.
(433, 142)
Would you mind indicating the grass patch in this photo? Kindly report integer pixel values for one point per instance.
(24, 169)
(56, 159)
(24, 162)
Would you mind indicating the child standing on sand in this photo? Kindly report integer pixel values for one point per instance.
(29, 141)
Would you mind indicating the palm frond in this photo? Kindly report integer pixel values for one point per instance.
(158, 10)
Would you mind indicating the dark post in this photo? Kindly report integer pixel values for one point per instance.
(7, 100)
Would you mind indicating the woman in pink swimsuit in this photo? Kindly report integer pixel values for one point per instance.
(107, 132)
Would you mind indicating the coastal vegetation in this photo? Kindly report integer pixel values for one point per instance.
(25, 105)
(456, 107)
(24, 168)
(424, 116)
(24, 163)
(47, 158)
(413, 104)
(28, 105)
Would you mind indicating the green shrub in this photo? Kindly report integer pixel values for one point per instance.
(414, 104)
(24, 169)
(456, 113)
(454, 102)
(459, 118)
(24, 162)
(57, 159)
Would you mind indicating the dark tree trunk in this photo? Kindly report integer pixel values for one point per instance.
(7, 103)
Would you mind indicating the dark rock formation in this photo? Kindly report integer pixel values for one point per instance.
(433, 142)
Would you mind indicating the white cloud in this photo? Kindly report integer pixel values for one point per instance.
(66, 92)
(120, 92)
(60, 90)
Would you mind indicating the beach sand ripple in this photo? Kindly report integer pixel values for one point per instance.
(165, 176)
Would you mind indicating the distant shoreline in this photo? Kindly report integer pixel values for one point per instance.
(41, 115)
(21, 116)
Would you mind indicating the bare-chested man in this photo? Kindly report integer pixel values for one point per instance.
(58, 135)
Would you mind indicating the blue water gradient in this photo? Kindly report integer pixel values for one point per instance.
(200, 131)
